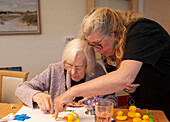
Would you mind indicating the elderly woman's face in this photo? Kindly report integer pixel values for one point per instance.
(104, 44)
(77, 69)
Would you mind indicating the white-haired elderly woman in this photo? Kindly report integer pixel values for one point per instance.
(77, 66)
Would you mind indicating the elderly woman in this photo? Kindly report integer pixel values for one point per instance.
(77, 66)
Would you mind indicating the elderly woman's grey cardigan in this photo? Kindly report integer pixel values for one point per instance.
(53, 80)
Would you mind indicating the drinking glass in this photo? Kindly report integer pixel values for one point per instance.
(103, 111)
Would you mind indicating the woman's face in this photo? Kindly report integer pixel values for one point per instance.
(103, 44)
(77, 69)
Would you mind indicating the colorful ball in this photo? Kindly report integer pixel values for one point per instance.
(70, 117)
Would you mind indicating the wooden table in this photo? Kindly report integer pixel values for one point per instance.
(6, 109)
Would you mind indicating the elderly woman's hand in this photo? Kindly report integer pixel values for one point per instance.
(61, 102)
(44, 102)
(80, 102)
(75, 105)
(131, 88)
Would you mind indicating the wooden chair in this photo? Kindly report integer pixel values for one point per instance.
(122, 100)
(9, 80)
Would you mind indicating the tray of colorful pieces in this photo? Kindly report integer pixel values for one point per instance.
(135, 116)
(68, 115)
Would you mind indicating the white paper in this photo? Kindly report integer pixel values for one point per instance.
(38, 116)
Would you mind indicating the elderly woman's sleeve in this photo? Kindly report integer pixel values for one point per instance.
(99, 71)
(28, 89)
(110, 97)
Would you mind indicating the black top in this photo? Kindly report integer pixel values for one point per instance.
(149, 43)
(73, 83)
(108, 67)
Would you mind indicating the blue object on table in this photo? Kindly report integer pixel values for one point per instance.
(65, 110)
(21, 117)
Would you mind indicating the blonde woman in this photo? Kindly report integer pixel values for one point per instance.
(77, 66)
(140, 49)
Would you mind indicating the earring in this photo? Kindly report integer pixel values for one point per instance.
(115, 44)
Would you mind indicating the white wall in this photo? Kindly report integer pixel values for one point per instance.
(59, 18)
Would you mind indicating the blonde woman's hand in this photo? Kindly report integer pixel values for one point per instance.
(61, 102)
(131, 88)
(44, 102)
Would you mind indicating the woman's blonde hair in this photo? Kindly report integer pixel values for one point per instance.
(105, 20)
(79, 47)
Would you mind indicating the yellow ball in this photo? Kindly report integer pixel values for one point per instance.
(145, 117)
(70, 117)
(137, 115)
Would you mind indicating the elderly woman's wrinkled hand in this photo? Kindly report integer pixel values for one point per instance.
(80, 102)
(77, 104)
(44, 102)
(131, 88)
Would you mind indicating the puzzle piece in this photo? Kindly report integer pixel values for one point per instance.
(21, 117)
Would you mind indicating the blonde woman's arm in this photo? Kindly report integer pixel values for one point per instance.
(106, 84)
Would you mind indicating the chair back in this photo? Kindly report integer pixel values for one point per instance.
(9, 80)
(122, 100)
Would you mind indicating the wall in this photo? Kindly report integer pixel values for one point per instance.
(158, 10)
(123, 5)
(59, 18)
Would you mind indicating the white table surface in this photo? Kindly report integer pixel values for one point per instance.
(38, 116)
